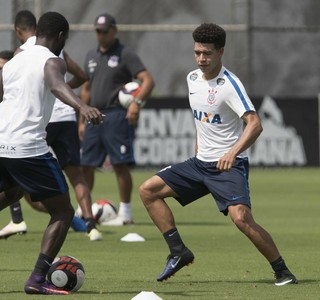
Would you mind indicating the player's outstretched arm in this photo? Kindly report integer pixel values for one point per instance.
(79, 76)
(251, 132)
(54, 71)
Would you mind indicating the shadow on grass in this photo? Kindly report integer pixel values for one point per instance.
(14, 270)
(189, 223)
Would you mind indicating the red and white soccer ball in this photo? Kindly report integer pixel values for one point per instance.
(128, 92)
(66, 273)
(102, 211)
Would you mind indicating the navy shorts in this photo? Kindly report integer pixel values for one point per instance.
(63, 138)
(40, 176)
(114, 137)
(194, 179)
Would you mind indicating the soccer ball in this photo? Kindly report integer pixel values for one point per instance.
(128, 92)
(66, 273)
(102, 211)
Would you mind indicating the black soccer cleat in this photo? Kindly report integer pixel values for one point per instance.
(175, 263)
(284, 277)
(43, 288)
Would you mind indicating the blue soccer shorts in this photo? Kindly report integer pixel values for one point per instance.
(63, 138)
(193, 179)
(40, 176)
(114, 137)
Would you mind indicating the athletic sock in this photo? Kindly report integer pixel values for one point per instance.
(16, 212)
(90, 224)
(174, 241)
(42, 266)
(125, 211)
(278, 265)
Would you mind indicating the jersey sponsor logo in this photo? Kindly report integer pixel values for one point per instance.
(8, 148)
(113, 61)
(193, 76)
(207, 117)
(212, 96)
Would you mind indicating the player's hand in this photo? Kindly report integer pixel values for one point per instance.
(133, 113)
(91, 114)
(225, 163)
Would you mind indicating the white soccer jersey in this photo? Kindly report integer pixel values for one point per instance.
(27, 104)
(61, 112)
(28, 43)
(217, 105)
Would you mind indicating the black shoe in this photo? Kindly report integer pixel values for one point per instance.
(175, 263)
(43, 288)
(284, 277)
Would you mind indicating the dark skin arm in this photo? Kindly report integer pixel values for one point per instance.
(85, 97)
(54, 71)
(79, 77)
(251, 132)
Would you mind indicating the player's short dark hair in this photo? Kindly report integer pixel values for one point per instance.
(210, 34)
(51, 24)
(6, 54)
(26, 20)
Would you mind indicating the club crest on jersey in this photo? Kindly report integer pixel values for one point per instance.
(92, 65)
(193, 76)
(113, 61)
(220, 81)
(212, 96)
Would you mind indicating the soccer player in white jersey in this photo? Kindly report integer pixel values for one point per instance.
(29, 84)
(226, 124)
(62, 137)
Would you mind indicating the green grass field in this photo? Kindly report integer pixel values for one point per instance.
(286, 202)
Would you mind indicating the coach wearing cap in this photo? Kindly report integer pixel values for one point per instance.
(110, 66)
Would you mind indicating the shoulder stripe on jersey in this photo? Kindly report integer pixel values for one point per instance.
(235, 85)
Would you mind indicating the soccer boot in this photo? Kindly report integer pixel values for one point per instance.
(43, 288)
(95, 235)
(175, 263)
(78, 224)
(284, 277)
(12, 229)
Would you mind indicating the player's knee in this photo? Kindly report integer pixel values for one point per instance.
(239, 221)
(145, 192)
(243, 221)
(71, 211)
(67, 214)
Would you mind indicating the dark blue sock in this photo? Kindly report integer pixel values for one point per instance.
(174, 241)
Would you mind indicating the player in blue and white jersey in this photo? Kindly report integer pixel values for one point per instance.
(227, 125)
